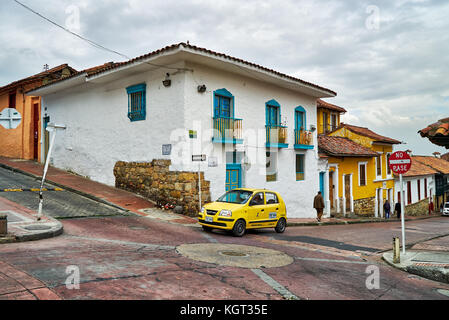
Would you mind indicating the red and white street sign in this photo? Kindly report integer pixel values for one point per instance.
(400, 162)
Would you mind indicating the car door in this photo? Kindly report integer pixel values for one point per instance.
(272, 208)
(256, 209)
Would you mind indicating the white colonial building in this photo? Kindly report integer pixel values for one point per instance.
(256, 126)
(418, 183)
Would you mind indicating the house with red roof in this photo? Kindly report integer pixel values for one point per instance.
(427, 180)
(24, 140)
(354, 174)
(256, 126)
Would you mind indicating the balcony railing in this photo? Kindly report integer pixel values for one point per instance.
(276, 136)
(227, 130)
(303, 139)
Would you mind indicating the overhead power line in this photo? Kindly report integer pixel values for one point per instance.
(92, 43)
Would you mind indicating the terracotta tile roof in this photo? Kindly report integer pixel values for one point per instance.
(343, 147)
(85, 72)
(326, 105)
(445, 157)
(437, 164)
(36, 77)
(419, 169)
(368, 133)
(217, 54)
(437, 133)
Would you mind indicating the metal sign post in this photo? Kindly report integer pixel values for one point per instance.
(199, 159)
(52, 128)
(402, 214)
(400, 163)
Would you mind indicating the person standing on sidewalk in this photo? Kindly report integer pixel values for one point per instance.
(387, 209)
(397, 208)
(318, 204)
(431, 207)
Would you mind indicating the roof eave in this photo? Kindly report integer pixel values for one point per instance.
(58, 86)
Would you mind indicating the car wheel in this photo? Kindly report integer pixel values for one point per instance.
(207, 229)
(239, 228)
(281, 226)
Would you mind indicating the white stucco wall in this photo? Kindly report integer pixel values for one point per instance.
(414, 187)
(99, 133)
(250, 98)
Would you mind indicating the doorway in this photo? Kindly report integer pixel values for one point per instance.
(35, 131)
(348, 192)
(233, 176)
(331, 189)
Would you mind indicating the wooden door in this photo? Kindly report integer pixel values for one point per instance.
(35, 131)
(233, 176)
(348, 192)
(331, 189)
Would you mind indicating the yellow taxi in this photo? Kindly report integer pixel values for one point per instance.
(241, 209)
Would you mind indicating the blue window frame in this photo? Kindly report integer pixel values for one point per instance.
(300, 158)
(273, 113)
(223, 104)
(300, 118)
(137, 102)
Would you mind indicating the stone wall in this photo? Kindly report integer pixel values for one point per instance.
(420, 208)
(156, 182)
(364, 207)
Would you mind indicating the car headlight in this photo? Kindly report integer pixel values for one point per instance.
(225, 213)
(203, 210)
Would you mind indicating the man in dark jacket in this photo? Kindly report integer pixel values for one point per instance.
(397, 208)
(318, 204)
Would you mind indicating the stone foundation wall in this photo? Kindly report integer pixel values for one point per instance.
(420, 208)
(364, 207)
(156, 182)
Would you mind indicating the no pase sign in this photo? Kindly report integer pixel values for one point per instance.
(400, 162)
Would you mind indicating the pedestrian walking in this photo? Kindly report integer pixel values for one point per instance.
(431, 207)
(318, 204)
(387, 209)
(397, 208)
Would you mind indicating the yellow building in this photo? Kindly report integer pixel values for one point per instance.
(328, 116)
(24, 141)
(358, 177)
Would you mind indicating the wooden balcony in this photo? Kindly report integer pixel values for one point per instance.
(227, 130)
(303, 139)
(276, 137)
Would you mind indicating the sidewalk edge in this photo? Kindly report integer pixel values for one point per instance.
(84, 194)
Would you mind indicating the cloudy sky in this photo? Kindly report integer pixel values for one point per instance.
(387, 60)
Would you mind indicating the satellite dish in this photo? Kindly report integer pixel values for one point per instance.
(10, 118)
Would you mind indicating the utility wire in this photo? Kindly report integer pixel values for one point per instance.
(92, 43)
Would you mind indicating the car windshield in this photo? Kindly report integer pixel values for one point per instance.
(446, 206)
(235, 196)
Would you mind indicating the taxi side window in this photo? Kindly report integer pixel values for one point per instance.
(257, 200)
(271, 198)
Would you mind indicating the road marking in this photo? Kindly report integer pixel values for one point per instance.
(275, 285)
(209, 237)
(31, 190)
(334, 261)
(129, 243)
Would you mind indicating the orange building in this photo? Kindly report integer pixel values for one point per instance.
(24, 142)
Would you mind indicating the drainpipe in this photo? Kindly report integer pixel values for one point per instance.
(23, 123)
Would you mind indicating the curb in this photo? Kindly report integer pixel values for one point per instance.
(431, 273)
(81, 193)
(305, 224)
(54, 232)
